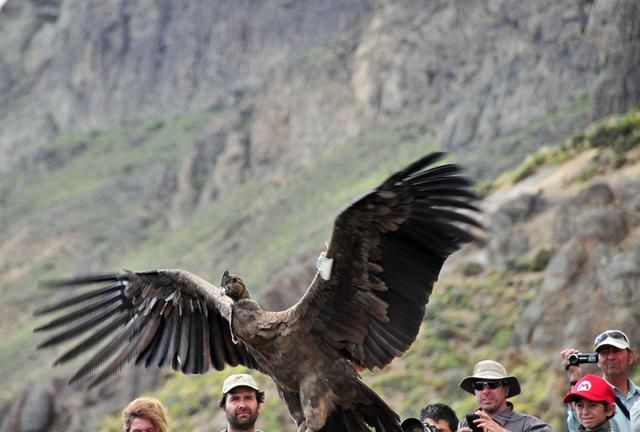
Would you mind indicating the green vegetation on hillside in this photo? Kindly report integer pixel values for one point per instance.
(86, 200)
(617, 134)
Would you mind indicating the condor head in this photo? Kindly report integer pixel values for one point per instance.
(233, 286)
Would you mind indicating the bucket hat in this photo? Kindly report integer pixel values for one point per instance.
(492, 371)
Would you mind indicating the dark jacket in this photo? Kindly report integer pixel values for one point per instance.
(225, 430)
(514, 421)
(604, 427)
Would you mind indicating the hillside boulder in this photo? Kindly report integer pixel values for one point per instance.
(32, 411)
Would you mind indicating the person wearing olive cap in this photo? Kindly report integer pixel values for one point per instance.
(615, 359)
(241, 402)
(492, 386)
(593, 400)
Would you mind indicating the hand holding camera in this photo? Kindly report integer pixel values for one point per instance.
(471, 418)
(571, 357)
(480, 421)
(576, 359)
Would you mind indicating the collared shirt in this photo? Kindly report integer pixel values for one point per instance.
(635, 417)
(514, 421)
(619, 422)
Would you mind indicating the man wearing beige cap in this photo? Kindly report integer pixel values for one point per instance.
(615, 359)
(241, 402)
(491, 386)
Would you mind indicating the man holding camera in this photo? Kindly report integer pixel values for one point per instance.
(441, 416)
(435, 417)
(614, 358)
(492, 386)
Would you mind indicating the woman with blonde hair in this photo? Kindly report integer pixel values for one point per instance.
(145, 414)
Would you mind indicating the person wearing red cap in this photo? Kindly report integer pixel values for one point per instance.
(593, 400)
(615, 359)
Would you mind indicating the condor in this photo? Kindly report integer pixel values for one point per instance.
(363, 308)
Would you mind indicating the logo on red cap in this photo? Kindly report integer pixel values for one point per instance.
(584, 386)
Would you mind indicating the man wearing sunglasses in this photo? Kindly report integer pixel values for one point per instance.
(492, 386)
(615, 359)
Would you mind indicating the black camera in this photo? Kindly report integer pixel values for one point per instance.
(471, 418)
(412, 424)
(579, 358)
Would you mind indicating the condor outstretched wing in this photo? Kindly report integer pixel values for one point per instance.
(387, 250)
(157, 318)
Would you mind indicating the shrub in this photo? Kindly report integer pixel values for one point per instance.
(472, 269)
(541, 259)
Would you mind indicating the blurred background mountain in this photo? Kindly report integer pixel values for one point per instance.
(228, 135)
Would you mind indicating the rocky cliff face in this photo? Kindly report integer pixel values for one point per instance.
(93, 65)
(287, 80)
(314, 74)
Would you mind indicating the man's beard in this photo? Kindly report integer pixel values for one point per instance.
(245, 423)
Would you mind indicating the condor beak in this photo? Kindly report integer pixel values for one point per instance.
(224, 278)
(223, 282)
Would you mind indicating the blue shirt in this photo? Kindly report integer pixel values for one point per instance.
(619, 422)
(635, 417)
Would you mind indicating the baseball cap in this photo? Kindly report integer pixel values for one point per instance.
(614, 338)
(239, 380)
(591, 387)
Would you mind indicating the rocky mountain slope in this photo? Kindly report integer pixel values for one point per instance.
(563, 241)
(154, 134)
(487, 73)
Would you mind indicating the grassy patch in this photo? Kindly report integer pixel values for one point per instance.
(506, 151)
(108, 155)
(618, 134)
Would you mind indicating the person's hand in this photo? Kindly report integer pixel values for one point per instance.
(575, 371)
(487, 423)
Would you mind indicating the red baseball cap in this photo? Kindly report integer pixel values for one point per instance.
(591, 387)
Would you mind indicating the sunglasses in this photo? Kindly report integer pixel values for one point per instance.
(615, 334)
(479, 385)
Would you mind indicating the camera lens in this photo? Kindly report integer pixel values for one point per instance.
(412, 424)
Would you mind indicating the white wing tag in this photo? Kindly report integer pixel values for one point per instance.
(324, 264)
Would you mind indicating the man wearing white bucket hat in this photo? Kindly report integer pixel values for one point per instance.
(492, 386)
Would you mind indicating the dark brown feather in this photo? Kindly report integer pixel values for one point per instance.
(138, 316)
(83, 327)
(92, 340)
(390, 245)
